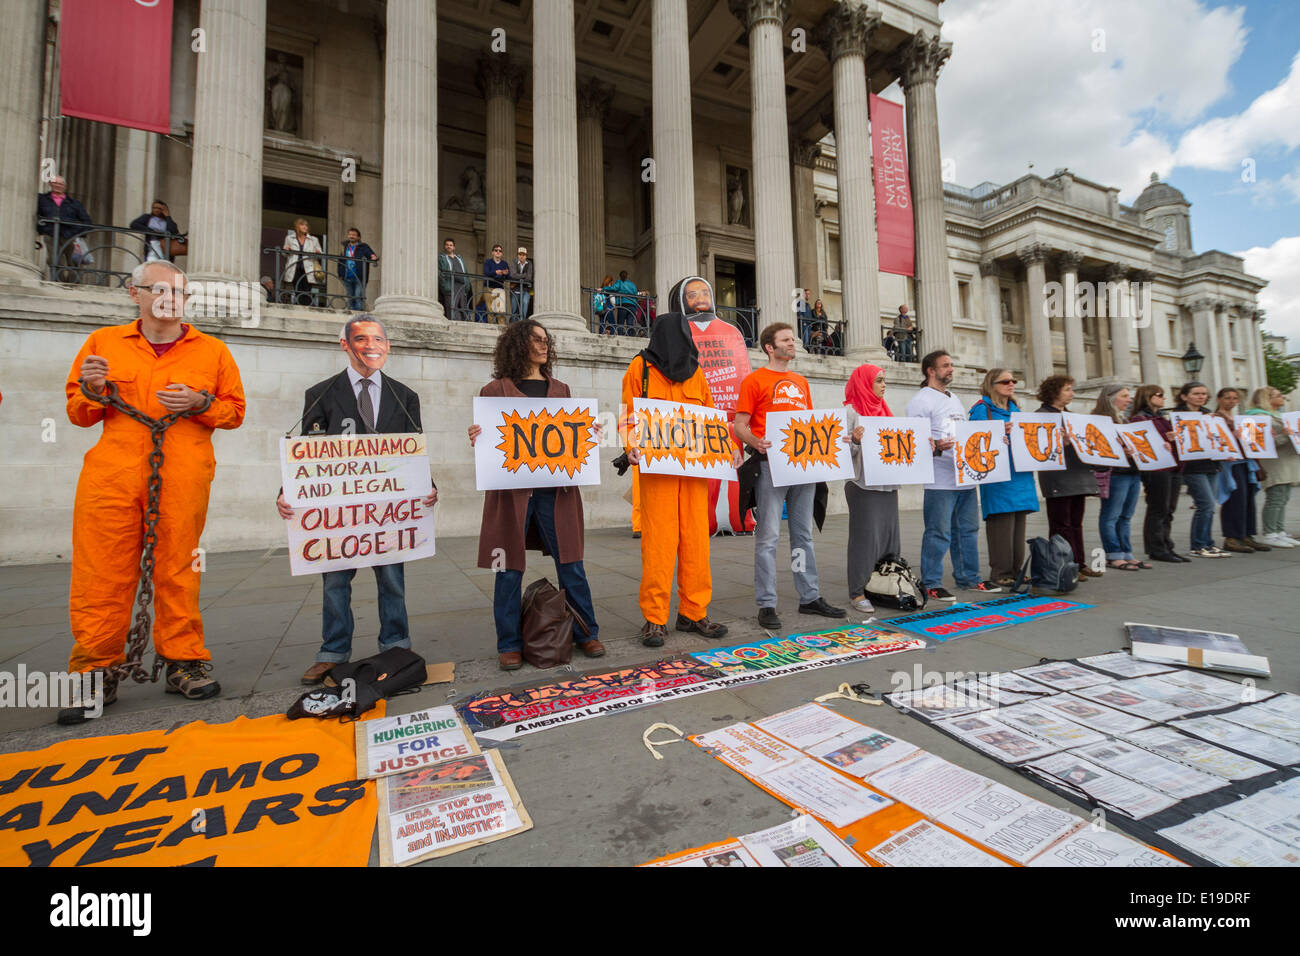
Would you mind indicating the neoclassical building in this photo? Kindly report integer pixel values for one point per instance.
(662, 138)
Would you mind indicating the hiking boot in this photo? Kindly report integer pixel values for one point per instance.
(940, 594)
(1237, 546)
(820, 606)
(703, 626)
(652, 635)
(70, 716)
(510, 661)
(767, 617)
(592, 648)
(190, 680)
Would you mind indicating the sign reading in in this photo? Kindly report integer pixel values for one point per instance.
(808, 446)
(675, 438)
(1037, 441)
(980, 454)
(535, 443)
(896, 451)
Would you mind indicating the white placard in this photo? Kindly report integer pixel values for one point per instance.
(1190, 436)
(861, 752)
(1095, 439)
(535, 443)
(388, 745)
(929, 783)
(1292, 422)
(896, 451)
(359, 535)
(1255, 432)
(1145, 445)
(808, 446)
(1037, 442)
(1096, 716)
(678, 438)
(1222, 439)
(981, 455)
(344, 469)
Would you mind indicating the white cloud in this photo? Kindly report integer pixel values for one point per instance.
(1024, 84)
(1280, 265)
(1271, 120)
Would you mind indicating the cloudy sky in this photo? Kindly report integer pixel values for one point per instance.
(1206, 94)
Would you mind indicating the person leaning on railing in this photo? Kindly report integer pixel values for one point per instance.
(303, 271)
(163, 237)
(73, 221)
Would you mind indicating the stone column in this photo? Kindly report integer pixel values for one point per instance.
(1038, 328)
(22, 50)
(1226, 365)
(1076, 360)
(501, 81)
(1148, 354)
(991, 275)
(1206, 340)
(555, 158)
(676, 251)
(1121, 321)
(1257, 346)
(773, 225)
(225, 226)
(804, 155)
(917, 65)
(844, 34)
(593, 103)
(135, 169)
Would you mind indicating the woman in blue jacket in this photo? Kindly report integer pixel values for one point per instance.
(1004, 504)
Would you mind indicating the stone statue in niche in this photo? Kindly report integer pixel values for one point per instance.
(283, 92)
(470, 195)
(737, 196)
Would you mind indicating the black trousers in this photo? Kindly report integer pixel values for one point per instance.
(1162, 496)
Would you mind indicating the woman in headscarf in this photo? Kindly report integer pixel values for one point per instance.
(674, 510)
(873, 509)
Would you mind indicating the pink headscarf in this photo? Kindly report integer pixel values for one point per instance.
(858, 392)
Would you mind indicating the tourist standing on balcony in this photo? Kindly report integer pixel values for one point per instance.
(521, 281)
(495, 271)
(625, 304)
(73, 222)
(515, 521)
(904, 336)
(304, 272)
(162, 241)
(804, 317)
(355, 273)
(453, 290)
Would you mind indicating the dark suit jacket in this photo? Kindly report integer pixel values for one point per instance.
(328, 404)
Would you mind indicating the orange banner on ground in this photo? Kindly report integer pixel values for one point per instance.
(263, 792)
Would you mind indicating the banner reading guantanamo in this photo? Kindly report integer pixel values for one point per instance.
(263, 792)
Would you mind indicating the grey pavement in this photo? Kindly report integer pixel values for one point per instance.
(595, 794)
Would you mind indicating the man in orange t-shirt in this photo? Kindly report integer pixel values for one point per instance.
(769, 389)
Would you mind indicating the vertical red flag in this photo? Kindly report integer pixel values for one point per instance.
(894, 235)
(115, 62)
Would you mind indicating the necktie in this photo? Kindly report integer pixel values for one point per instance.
(365, 406)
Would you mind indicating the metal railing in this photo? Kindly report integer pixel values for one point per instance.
(618, 313)
(318, 284)
(903, 345)
(822, 336)
(95, 254)
(471, 298)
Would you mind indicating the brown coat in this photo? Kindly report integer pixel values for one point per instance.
(504, 512)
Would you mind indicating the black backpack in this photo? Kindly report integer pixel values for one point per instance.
(1051, 565)
(893, 584)
(397, 670)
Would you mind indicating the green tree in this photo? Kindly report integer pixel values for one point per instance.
(1282, 375)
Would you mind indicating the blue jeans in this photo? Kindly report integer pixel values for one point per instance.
(1201, 488)
(507, 597)
(519, 304)
(336, 612)
(356, 290)
(952, 521)
(798, 502)
(1116, 515)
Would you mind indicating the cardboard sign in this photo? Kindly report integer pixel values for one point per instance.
(981, 455)
(1144, 445)
(1095, 440)
(677, 438)
(359, 535)
(1191, 437)
(390, 745)
(342, 469)
(1037, 442)
(1255, 432)
(535, 443)
(1292, 422)
(896, 451)
(809, 446)
(1222, 440)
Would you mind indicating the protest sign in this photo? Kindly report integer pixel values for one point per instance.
(1095, 440)
(1256, 435)
(1190, 436)
(1145, 446)
(535, 443)
(678, 438)
(1222, 439)
(1037, 442)
(777, 652)
(1292, 422)
(343, 469)
(962, 620)
(447, 807)
(980, 454)
(896, 451)
(408, 741)
(264, 792)
(358, 535)
(808, 446)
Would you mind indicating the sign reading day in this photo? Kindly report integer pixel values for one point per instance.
(678, 438)
(535, 443)
(358, 500)
(808, 446)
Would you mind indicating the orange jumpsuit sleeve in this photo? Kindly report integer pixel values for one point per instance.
(631, 390)
(227, 408)
(81, 410)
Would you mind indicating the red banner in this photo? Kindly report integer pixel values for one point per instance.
(115, 62)
(725, 361)
(894, 236)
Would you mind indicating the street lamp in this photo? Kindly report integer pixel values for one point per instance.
(1192, 360)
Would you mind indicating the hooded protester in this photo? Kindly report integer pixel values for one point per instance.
(674, 509)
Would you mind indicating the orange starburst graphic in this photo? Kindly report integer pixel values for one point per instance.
(556, 441)
(684, 436)
(897, 446)
(814, 440)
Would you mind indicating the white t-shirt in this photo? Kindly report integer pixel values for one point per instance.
(943, 409)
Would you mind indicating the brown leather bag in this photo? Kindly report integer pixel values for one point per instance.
(547, 625)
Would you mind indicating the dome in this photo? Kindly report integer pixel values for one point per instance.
(1159, 194)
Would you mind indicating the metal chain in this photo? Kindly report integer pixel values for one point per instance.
(138, 636)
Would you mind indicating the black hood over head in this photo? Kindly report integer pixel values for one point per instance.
(672, 349)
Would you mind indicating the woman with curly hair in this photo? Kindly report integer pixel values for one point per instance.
(1066, 491)
(518, 520)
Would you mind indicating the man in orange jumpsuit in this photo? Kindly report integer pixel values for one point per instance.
(674, 509)
(160, 365)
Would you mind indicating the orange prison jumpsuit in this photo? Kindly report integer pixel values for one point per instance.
(108, 516)
(674, 512)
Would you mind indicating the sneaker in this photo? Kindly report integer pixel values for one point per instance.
(863, 606)
(190, 679)
(1257, 545)
(821, 607)
(1218, 552)
(652, 635)
(1295, 542)
(704, 627)
(940, 594)
(767, 617)
(69, 716)
(1210, 552)
(988, 587)
(1279, 540)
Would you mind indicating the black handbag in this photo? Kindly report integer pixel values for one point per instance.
(362, 684)
(893, 584)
